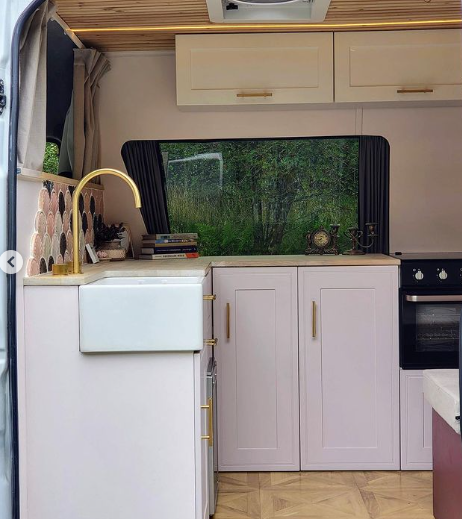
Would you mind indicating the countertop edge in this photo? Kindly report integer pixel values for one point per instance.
(201, 267)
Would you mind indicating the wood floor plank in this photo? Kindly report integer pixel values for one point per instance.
(325, 495)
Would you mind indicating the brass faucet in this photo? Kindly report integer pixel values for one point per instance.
(75, 206)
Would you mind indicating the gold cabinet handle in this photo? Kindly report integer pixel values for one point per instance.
(228, 321)
(255, 94)
(211, 342)
(313, 324)
(209, 408)
(211, 297)
(414, 91)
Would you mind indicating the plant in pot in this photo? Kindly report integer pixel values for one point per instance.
(108, 241)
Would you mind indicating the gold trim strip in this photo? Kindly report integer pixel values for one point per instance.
(263, 27)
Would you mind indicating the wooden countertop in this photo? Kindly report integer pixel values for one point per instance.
(200, 267)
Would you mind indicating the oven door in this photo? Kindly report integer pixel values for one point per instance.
(430, 328)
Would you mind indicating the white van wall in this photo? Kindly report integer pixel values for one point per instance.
(138, 101)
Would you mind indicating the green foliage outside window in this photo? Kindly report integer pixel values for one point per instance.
(261, 196)
(51, 159)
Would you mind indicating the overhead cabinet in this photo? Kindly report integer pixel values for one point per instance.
(298, 69)
(423, 65)
(254, 69)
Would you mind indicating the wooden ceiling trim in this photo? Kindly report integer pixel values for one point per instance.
(160, 20)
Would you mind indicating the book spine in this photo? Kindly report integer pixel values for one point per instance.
(174, 250)
(177, 236)
(175, 240)
(188, 255)
(162, 243)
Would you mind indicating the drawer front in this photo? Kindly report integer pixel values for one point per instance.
(242, 69)
(398, 66)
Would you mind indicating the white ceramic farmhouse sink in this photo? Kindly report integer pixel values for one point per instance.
(141, 314)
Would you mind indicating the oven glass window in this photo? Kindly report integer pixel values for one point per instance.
(437, 327)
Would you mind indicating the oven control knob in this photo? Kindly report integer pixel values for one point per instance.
(443, 274)
(419, 275)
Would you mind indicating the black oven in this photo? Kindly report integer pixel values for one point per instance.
(430, 328)
(430, 310)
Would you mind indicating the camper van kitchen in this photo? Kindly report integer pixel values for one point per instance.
(231, 256)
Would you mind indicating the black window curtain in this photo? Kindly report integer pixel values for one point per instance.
(374, 189)
(144, 165)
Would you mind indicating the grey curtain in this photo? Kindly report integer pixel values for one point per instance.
(80, 150)
(374, 189)
(32, 92)
(144, 164)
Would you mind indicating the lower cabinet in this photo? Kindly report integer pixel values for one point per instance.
(113, 435)
(416, 423)
(349, 368)
(255, 321)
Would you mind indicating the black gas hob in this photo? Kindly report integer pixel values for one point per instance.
(442, 269)
(430, 309)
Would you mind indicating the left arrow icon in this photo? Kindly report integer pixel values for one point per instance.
(11, 262)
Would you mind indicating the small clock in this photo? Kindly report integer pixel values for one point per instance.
(322, 241)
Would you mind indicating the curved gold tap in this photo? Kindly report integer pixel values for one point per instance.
(75, 205)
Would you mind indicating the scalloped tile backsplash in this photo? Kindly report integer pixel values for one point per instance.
(52, 240)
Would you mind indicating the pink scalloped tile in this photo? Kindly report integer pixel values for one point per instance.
(40, 223)
(59, 260)
(36, 246)
(86, 202)
(44, 200)
(50, 223)
(46, 246)
(68, 201)
(55, 245)
(66, 222)
(54, 202)
(70, 245)
(32, 267)
(58, 223)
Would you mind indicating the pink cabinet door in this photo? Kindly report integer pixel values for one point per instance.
(416, 423)
(349, 368)
(255, 320)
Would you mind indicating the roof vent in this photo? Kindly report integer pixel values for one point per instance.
(267, 11)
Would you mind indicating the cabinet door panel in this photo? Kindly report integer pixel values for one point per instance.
(349, 371)
(257, 368)
(376, 66)
(416, 423)
(236, 69)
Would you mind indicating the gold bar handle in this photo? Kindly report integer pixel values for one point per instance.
(228, 321)
(255, 94)
(211, 342)
(414, 91)
(209, 408)
(313, 324)
(211, 297)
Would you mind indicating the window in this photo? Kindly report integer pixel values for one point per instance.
(261, 196)
(51, 158)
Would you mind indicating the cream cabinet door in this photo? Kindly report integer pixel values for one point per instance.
(422, 65)
(254, 69)
(255, 320)
(349, 368)
(416, 423)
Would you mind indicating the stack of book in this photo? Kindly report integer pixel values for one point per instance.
(169, 246)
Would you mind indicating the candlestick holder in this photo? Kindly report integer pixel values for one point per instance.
(355, 235)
